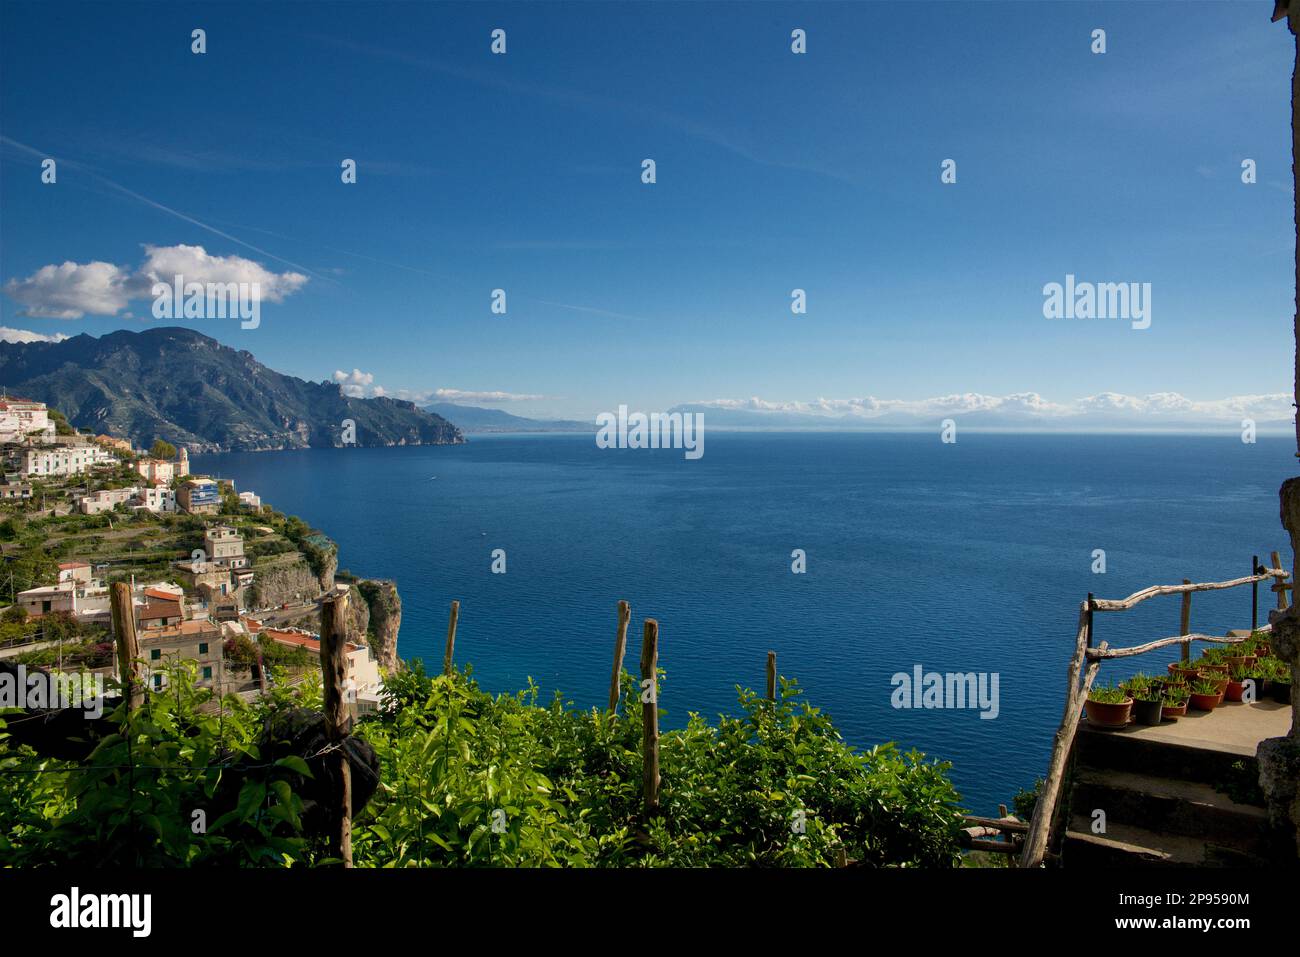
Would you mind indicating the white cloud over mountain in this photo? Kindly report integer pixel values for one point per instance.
(73, 290)
(8, 334)
(1019, 410)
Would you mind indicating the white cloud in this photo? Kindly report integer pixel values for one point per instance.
(195, 264)
(1026, 409)
(73, 290)
(22, 335)
(356, 383)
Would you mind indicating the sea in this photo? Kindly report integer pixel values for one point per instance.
(856, 557)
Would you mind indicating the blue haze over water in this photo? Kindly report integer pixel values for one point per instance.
(965, 557)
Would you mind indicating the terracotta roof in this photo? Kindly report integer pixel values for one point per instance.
(188, 629)
(66, 565)
(160, 609)
(301, 640)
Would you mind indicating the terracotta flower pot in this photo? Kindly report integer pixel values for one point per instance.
(1103, 715)
(1172, 712)
(1220, 681)
(1204, 702)
(1185, 673)
(1234, 690)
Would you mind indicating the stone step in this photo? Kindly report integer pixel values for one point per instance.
(1186, 808)
(1136, 753)
(1125, 845)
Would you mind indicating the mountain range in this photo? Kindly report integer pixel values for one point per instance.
(191, 390)
(471, 418)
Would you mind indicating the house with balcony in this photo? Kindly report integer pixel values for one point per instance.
(199, 496)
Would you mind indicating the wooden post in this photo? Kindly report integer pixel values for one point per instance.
(1279, 585)
(334, 668)
(128, 645)
(451, 638)
(771, 676)
(620, 648)
(1254, 593)
(1089, 619)
(1186, 622)
(650, 716)
(1041, 823)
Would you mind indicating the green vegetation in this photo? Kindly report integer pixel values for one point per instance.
(242, 650)
(1025, 800)
(775, 786)
(162, 449)
(61, 425)
(1107, 694)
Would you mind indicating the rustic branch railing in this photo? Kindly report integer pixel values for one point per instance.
(1035, 846)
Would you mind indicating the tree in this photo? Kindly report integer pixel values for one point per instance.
(162, 450)
(61, 425)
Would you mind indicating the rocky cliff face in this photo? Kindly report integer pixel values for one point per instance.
(276, 584)
(385, 620)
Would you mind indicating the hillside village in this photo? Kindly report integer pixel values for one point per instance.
(219, 580)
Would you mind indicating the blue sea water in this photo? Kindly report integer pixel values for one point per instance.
(971, 556)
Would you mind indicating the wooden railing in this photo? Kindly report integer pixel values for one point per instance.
(1040, 825)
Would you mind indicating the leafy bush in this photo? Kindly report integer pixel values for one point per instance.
(775, 786)
(471, 779)
(132, 803)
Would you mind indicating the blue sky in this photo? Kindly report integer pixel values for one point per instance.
(775, 171)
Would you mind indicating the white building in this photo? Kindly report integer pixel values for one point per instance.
(224, 547)
(156, 470)
(23, 421)
(156, 499)
(68, 460)
(105, 500)
(250, 500)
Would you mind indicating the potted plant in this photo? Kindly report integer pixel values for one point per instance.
(1136, 685)
(1236, 683)
(1205, 695)
(1175, 702)
(1261, 674)
(1212, 660)
(1216, 678)
(1187, 672)
(1108, 707)
(1236, 658)
(1280, 688)
(1148, 705)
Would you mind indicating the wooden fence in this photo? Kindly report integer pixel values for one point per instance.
(1087, 660)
